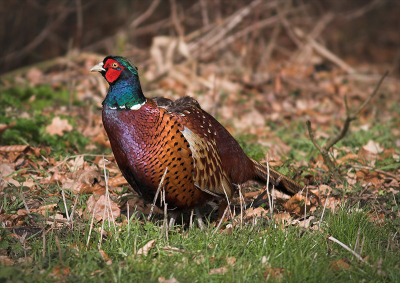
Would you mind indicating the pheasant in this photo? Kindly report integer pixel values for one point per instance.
(153, 136)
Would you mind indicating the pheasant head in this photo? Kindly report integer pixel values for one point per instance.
(125, 91)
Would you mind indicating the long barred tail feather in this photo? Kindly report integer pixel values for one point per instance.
(282, 183)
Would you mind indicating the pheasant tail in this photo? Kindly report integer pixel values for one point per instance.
(280, 181)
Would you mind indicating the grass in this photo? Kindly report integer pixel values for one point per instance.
(304, 255)
(263, 251)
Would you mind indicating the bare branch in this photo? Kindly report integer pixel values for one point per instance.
(204, 12)
(145, 15)
(175, 19)
(348, 249)
(372, 95)
(334, 139)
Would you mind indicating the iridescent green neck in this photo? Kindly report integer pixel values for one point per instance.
(125, 92)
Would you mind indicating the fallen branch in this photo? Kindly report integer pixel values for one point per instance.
(334, 139)
(348, 249)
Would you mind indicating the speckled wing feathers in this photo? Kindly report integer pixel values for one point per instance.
(209, 175)
(147, 141)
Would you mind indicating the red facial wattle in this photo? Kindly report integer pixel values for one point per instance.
(114, 69)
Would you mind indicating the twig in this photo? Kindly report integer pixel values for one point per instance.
(357, 239)
(289, 29)
(73, 208)
(79, 23)
(232, 38)
(44, 243)
(305, 205)
(362, 245)
(108, 195)
(91, 226)
(156, 195)
(388, 244)
(73, 156)
(241, 205)
(324, 52)
(204, 12)
(333, 140)
(127, 208)
(65, 205)
(348, 249)
(102, 228)
(165, 216)
(272, 43)
(269, 195)
(360, 12)
(323, 212)
(191, 219)
(58, 247)
(175, 20)
(26, 206)
(219, 32)
(221, 220)
(39, 39)
(144, 16)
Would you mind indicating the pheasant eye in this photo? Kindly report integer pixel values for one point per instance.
(114, 65)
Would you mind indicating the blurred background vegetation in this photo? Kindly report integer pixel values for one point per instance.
(38, 30)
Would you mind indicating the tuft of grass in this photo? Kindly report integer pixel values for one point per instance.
(303, 254)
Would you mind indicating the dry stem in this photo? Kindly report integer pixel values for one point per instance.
(334, 139)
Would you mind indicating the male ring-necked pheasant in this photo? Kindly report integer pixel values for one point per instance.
(147, 135)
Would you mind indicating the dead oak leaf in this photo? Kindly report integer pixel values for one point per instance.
(104, 208)
(89, 177)
(146, 248)
(58, 126)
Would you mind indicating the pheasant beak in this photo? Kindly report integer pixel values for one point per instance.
(98, 68)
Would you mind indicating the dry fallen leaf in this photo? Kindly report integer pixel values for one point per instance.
(57, 126)
(6, 169)
(282, 217)
(105, 257)
(230, 260)
(5, 260)
(4, 127)
(274, 273)
(325, 190)
(146, 248)
(13, 148)
(89, 177)
(221, 270)
(171, 280)
(103, 203)
(340, 264)
(77, 163)
(34, 75)
(256, 212)
(59, 271)
(296, 204)
(117, 181)
(199, 259)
